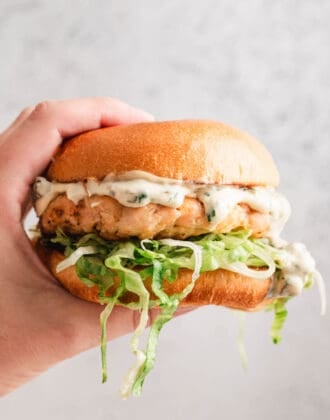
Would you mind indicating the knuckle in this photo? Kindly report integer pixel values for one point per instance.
(43, 109)
(26, 111)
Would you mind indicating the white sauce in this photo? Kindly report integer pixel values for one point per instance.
(297, 264)
(138, 188)
(220, 201)
(46, 191)
(139, 192)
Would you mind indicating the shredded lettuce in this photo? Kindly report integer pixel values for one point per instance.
(121, 267)
(75, 256)
(321, 286)
(280, 316)
(103, 321)
(240, 339)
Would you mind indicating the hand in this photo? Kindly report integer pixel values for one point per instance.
(41, 323)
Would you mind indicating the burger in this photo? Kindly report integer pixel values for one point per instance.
(168, 214)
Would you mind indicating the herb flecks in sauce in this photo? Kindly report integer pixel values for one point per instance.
(137, 189)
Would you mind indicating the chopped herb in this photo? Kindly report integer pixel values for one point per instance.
(280, 315)
(210, 215)
(138, 198)
(141, 197)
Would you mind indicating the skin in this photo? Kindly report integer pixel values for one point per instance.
(41, 323)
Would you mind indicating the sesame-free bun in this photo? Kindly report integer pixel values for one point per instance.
(196, 151)
(191, 150)
(218, 287)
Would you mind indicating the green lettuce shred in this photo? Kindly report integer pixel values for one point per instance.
(103, 321)
(134, 261)
(280, 316)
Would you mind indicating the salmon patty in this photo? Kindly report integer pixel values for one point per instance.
(108, 218)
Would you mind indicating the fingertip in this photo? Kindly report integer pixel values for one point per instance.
(146, 115)
(130, 113)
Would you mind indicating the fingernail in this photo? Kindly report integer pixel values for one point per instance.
(147, 115)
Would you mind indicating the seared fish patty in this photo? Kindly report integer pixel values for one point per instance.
(111, 220)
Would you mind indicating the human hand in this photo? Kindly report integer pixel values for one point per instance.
(41, 323)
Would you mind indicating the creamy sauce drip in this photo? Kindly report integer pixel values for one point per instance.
(138, 188)
(44, 192)
(297, 264)
(139, 192)
(220, 201)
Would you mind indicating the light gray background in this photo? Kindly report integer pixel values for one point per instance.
(263, 66)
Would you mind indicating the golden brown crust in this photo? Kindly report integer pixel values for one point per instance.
(111, 220)
(194, 150)
(219, 287)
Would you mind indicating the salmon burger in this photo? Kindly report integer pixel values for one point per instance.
(169, 214)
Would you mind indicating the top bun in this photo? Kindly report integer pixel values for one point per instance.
(189, 150)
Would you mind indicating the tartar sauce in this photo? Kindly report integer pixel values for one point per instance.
(138, 188)
(296, 266)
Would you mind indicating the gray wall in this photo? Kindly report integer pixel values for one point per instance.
(261, 65)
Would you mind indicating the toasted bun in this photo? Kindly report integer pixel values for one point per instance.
(197, 151)
(219, 287)
(193, 150)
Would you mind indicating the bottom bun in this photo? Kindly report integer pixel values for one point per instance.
(218, 287)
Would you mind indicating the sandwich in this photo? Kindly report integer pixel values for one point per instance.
(169, 214)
